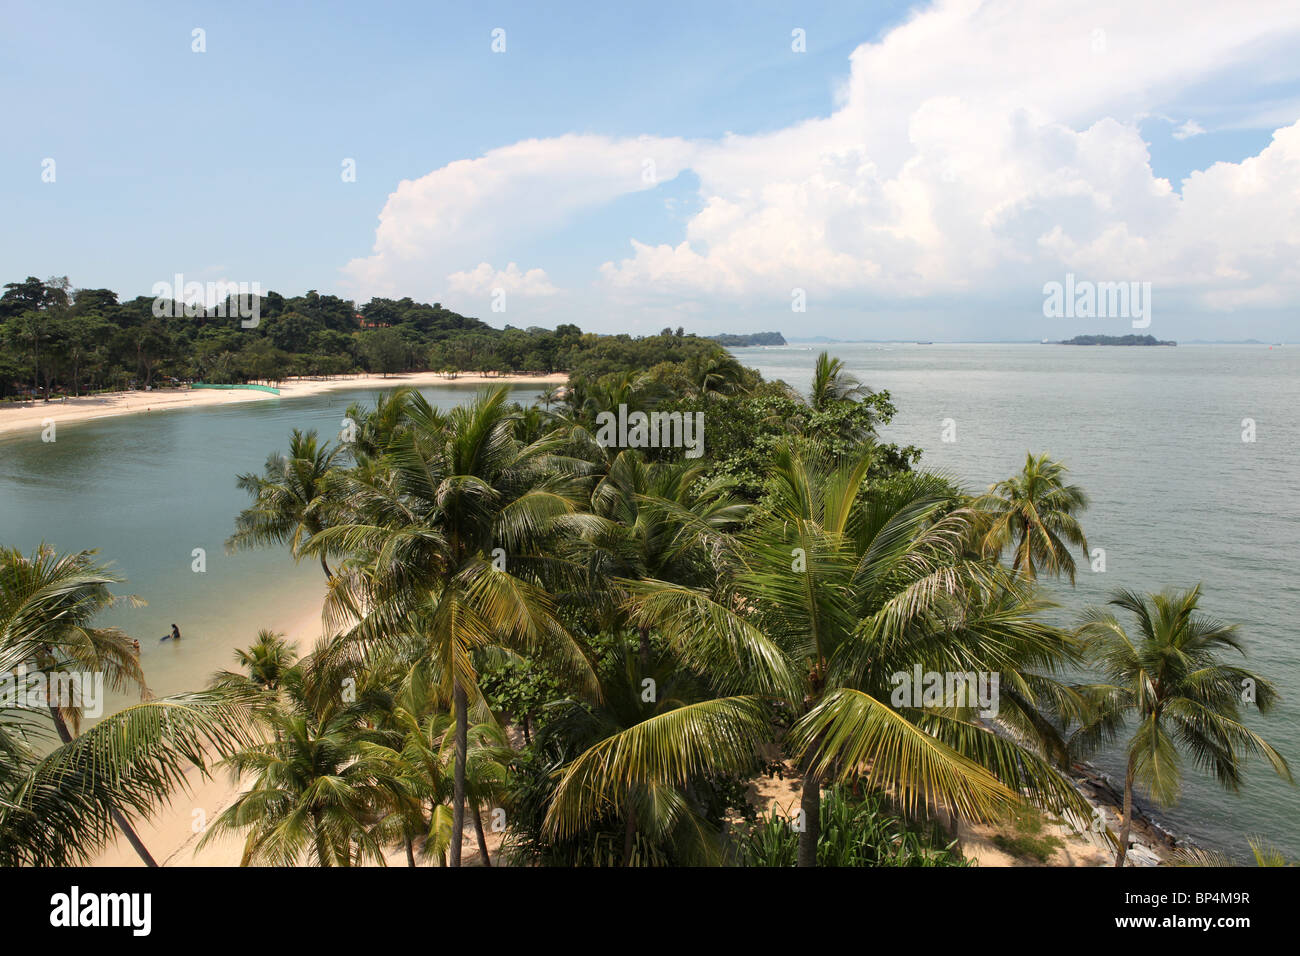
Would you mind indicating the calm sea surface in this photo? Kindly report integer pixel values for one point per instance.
(1153, 434)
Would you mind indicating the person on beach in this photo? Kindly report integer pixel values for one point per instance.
(135, 644)
(175, 635)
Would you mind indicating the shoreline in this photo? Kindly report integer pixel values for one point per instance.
(16, 418)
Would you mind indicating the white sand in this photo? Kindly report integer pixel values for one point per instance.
(32, 416)
(173, 833)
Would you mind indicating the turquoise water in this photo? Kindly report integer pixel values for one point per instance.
(1154, 435)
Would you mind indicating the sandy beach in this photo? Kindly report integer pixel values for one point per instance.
(173, 833)
(16, 418)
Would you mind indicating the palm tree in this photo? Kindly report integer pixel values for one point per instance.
(549, 396)
(854, 585)
(831, 383)
(291, 498)
(266, 663)
(660, 521)
(318, 785)
(61, 807)
(54, 599)
(716, 374)
(376, 427)
(1035, 512)
(1170, 677)
(444, 549)
(419, 737)
(638, 753)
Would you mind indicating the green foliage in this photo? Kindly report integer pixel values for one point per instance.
(855, 831)
(519, 689)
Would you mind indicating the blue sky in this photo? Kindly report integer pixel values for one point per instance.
(920, 171)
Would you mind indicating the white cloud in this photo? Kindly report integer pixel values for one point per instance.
(484, 280)
(977, 150)
(1188, 130)
(458, 216)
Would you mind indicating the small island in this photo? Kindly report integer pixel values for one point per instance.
(728, 340)
(1115, 340)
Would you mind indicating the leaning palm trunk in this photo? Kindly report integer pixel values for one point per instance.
(482, 838)
(127, 831)
(1127, 822)
(461, 704)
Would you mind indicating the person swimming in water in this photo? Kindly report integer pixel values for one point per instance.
(175, 635)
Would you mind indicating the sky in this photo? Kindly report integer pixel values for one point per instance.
(878, 170)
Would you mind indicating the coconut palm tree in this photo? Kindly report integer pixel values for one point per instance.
(418, 734)
(855, 585)
(1035, 512)
(550, 396)
(266, 663)
(1169, 676)
(317, 785)
(445, 551)
(656, 730)
(58, 597)
(660, 521)
(291, 498)
(63, 806)
(831, 383)
(376, 426)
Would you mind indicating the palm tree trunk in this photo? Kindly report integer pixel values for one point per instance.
(410, 852)
(461, 704)
(645, 650)
(127, 830)
(329, 575)
(1128, 815)
(810, 802)
(482, 840)
(321, 853)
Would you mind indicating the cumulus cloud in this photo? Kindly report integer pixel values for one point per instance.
(484, 280)
(977, 148)
(457, 216)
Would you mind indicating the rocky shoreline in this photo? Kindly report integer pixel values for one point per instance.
(1150, 842)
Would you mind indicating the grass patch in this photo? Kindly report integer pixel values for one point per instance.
(1029, 842)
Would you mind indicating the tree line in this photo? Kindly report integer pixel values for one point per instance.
(55, 339)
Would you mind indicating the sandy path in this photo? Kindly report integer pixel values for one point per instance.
(31, 417)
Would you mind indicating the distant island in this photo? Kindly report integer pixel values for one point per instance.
(754, 338)
(1115, 340)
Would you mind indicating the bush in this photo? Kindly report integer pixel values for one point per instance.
(855, 831)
